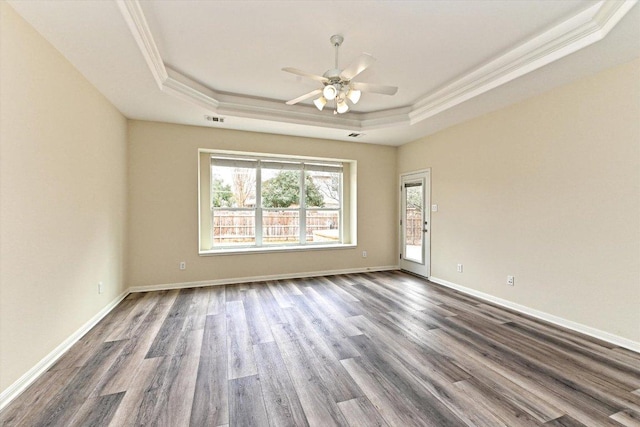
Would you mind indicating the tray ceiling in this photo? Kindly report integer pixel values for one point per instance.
(179, 61)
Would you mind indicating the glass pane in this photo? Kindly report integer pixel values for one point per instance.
(280, 188)
(280, 227)
(323, 226)
(413, 223)
(322, 189)
(233, 228)
(233, 187)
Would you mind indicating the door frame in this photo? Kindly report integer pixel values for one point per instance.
(423, 270)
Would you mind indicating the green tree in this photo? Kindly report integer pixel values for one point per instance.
(283, 191)
(221, 194)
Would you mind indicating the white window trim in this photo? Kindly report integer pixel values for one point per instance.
(348, 205)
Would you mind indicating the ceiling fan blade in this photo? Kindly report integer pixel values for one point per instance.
(305, 96)
(374, 88)
(356, 67)
(305, 74)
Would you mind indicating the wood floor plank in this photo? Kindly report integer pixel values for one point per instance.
(97, 411)
(324, 355)
(292, 287)
(281, 400)
(131, 408)
(167, 337)
(81, 351)
(333, 284)
(246, 407)
(565, 421)
(319, 405)
(384, 348)
(317, 332)
(333, 328)
(561, 392)
(211, 399)
(198, 310)
(608, 390)
(169, 398)
(385, 396)
(359, 412)
(280, 294)
(217, 300)
(496, 404)
(519, 395)
(335, 313)
(125, 329)
(627, 376)
(627, 418)
(64, 404)
(430, 395)
(270, 307)
(34, 398)
(119, 377)
(257, 322)
(320, 355)
(240, 359)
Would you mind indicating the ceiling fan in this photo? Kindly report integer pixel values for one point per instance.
(338, 85)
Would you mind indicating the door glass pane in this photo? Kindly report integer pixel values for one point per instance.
(413, 222)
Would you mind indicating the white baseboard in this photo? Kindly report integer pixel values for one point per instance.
(569, 324)
(32, 374)
(233, 281)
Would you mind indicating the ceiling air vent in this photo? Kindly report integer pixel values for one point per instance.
(355, 135)
(215, 119)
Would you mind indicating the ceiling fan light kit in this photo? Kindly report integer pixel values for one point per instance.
(330, 92)
(354, 95)
(320, 102)
(338, 84)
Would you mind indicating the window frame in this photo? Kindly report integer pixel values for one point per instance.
(346, 210)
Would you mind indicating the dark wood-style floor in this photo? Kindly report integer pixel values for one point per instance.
(380, 349)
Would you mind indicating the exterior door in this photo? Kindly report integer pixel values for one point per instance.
(415, 223)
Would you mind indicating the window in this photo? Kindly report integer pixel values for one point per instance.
(250, 203)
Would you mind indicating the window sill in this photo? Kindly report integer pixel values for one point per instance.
(275, 249)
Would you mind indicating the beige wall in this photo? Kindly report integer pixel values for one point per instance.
(63, 198)
(163, 202)
(547, 190)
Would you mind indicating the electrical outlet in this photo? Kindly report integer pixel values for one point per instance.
(364, 254)
(100, 287)
(459, 268)
(510, 280)
(183, 265)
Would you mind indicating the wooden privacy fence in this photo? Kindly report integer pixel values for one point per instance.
(277, 226)
(413, 227)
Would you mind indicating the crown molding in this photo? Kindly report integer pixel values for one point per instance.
(575, 33)
(567, 37)
(131, 11)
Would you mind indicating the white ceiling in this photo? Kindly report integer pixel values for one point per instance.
(177, 61)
